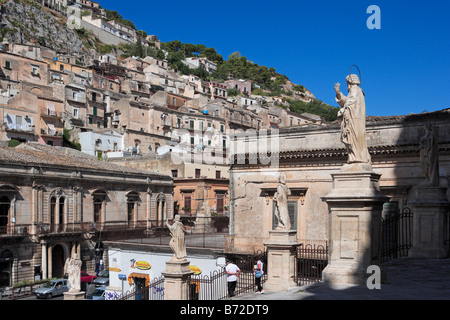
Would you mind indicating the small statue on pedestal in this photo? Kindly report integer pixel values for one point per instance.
(281, 211)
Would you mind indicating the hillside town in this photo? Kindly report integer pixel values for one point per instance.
(136, 113)
(100, 151)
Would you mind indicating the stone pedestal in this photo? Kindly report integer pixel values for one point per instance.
(430, 211)
(175, 280)
(203, 224)
(74, 295)
(355, 205)
(280, 259)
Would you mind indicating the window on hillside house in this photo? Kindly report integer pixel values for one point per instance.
(35, 70)
(197, 173)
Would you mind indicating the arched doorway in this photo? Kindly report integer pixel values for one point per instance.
(6, 261)
(5, 205)
(57, 211)
(58, 261)
(160, 210)
(99, 207)
(98, 203)
(132, 202)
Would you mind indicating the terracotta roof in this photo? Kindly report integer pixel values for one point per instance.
(40, 154)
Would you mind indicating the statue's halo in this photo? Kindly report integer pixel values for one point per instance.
(350, 74)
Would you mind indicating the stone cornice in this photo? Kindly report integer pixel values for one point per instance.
(329, 156)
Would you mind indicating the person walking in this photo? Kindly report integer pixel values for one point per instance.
(233, 272)
(258, 272)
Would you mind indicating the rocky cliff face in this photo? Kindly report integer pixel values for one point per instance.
(23, 21)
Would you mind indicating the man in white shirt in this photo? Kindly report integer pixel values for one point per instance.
(233, 272)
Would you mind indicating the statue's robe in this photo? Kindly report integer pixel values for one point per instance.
(353, 125)
(281, 198)
(177, 243)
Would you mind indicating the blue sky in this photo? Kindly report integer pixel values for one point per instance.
(405, 65)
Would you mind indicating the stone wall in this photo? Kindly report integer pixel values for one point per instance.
(309, 155)
(104, 36)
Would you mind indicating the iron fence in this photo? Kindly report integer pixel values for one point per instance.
(396, 234)
(212, 287)
(14, 293)
(154, 291)
(311, 257)
(215, 286)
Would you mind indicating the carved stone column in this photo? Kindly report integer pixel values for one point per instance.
(355, 204)
(149, 212)
(44, 260)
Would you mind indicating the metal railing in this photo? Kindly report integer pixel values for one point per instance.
(204, 287)
(207, 287)
(311, 257)
(154, 291)
(396, 235)
(215, 286)
(14, 293)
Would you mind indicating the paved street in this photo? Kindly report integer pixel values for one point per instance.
(406, 279)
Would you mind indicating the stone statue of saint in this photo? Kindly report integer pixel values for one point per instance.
(177, 243)
(280, 197)
(72, 267)
(353, 120)
(429, 155)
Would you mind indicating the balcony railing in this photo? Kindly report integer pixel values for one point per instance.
(20, 127)
(79, 99)
(50, 133)
(46, 228)
(50, 113)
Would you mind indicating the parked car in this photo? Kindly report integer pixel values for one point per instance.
(85, 277)
(52, 288)
(102, 279)
(98, 294)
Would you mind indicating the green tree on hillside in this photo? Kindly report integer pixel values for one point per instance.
(316, 106)
(114, 15)
(237, 66)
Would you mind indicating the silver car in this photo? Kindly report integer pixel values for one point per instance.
(52, 288)
(102, 279)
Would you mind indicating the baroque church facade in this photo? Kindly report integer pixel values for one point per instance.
(308, 156)
(57, 201)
